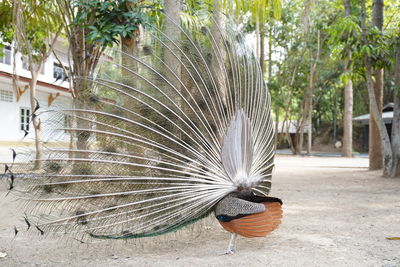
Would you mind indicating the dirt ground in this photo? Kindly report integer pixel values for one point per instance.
(336, 213)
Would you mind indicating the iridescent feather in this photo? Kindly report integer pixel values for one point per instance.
(151, 149)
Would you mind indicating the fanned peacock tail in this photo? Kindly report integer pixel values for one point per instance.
(161, 138)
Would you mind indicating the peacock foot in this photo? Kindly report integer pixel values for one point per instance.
(230, 251)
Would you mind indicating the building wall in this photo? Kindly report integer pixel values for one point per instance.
(10, 111)
(10, 129)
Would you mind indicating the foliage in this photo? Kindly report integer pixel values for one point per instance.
(257, 10)
(40, 24)
(6, 29)
(112, 20)
(293, 47)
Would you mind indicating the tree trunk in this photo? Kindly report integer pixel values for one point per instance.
(286, 119)
(257, 39)
(129, 46)
(375, 111)
(172, 57)
(299, 139)
(377, 117)
(219, 56)
(85, 57)
(334, 115)
(289, 139)
(35, 119)
(269, 80)
(309, 129)
(172, 11)
(308, 105)
(81, 93)
(347, 149)
(395, 171)
(375, 143)
(347, 7)
(276, 125)
(377, 13)
(307, 112)
(269, 54)
(262, 43)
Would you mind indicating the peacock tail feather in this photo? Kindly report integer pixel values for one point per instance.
(160, 138)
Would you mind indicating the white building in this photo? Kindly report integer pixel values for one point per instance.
(15, 108)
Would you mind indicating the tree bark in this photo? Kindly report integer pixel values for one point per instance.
(219, 56)
(308, 104)
(377, 13)
(257, 32)
(262, 44)
(286, 119)
(347, 149)
(300, 139)
(129, 46)
(172, 11)
(276, 126)
(375, 111)
(334, 115)
(85, 57)
(375, 143)
(35, 119)
(269, 54)
(277, 109)
(309, 130)
(377, 117)
(347, 7)
(395, 171)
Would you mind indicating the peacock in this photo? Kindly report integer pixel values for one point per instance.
(160, 139)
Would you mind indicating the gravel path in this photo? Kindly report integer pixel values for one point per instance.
(336, 213)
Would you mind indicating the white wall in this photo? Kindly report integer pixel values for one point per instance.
(10, 112)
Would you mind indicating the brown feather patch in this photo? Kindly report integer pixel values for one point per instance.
(258, 224)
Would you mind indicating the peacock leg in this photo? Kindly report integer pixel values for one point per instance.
(231, 246)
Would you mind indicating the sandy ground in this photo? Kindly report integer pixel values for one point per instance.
(336, 213)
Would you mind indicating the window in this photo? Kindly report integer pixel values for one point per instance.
(6, 55)
(25, 114)
(59, 73)
(25, 64)
(6, 96)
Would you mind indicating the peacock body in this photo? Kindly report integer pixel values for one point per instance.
(162, 139)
